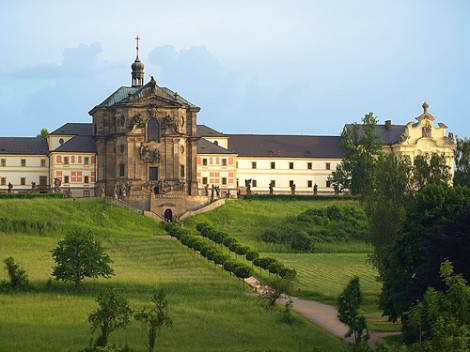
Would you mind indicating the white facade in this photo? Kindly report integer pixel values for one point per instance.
(22, 170)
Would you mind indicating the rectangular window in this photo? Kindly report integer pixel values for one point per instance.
(204, 162)
(3, 181)
(23, 162)
(328, 166)
(328, 184)
(121, 170)
(86, 179)
(291, 165)
(86, 160)
(309, 166)
(23, 181)
(43, 162)
(204, 180)
(4, 162)
(224, 162)
(255, 183)
(66, 179)
(309, 183)
(153, 173)
(66, 160)
(182, 171)
(273, 165)
(224, 180)
(253, 165)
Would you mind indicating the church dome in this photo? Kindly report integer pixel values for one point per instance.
(137, 65)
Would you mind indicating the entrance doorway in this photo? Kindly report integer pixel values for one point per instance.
(168, 215)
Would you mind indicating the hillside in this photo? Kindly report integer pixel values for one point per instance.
(210, 310)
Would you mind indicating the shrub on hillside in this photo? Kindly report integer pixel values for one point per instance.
(17, 275)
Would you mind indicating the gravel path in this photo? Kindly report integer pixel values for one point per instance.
(323, 315)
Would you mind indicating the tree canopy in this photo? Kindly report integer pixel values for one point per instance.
(462, 162)
(80, 255)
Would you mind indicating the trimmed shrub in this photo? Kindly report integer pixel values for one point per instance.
(220, 258)
(243, 271)
(211, 253)
(228, 241)
(251, 255)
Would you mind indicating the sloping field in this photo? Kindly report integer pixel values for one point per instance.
(210, 310)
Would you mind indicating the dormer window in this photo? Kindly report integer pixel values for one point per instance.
(61, 141)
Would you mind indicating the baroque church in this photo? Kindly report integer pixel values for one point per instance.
(146, 142)
(144, 149)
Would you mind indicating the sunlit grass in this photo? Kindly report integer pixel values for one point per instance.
(210, 309)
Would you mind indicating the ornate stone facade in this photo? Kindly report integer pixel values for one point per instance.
(146, 139)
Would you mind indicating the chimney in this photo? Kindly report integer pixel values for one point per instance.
(388, 125)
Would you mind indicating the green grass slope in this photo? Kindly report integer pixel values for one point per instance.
(210, 310)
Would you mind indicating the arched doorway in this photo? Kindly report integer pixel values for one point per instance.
(168, 215)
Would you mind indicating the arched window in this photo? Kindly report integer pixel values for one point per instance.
(153, 130)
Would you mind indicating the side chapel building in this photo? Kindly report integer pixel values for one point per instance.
(144, 147)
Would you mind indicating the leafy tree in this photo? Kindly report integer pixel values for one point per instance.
(462, 162)
(113, 313)
(362, 146)
(43, 134)
(17, 275)
(405, 275)
(430, 169)
(443, 317)
(80, 255)
(386, 205)
(156, 317)
(349, 303)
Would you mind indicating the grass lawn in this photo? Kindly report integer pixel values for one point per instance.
(322, 275)
(209, 308)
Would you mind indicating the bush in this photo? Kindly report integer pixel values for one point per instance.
(264, 262)
(220, 258)
(271, 236)
(251, 255)
(243, 271)
(211, 253)
(230, 265)
(17, 275)
(275, 267)
(301, 241)
(228, 241)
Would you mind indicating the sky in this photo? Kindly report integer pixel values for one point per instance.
(253, 66)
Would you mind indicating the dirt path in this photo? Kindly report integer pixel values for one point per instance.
(323, 315)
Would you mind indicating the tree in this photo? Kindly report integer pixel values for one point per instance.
(155, 317)
(462, 162)
(406, 267)
(363, 145)
(349, 303)
(443, 317)
(385, 206)
(43, 134)
(113, 313)
(17, 275)
(277, 287)
(80, 255)
(430, 169)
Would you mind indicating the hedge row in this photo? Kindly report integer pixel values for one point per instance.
(299, 197)
(221, 238)
(209, 251)
(30, 195)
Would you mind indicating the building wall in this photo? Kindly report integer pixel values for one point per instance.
(215, 169)
(286, 170)
(76, 171)
(22, 170)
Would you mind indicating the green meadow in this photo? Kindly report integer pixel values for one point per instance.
(210, 309)
(323, 274)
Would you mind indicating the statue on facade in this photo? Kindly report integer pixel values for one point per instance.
(427, 129)
(315, 189)
(271, 187)
(33, 187)
(292, 188)
(206, 190)
(169, 124)
(10, 187)
(149, 155)
(103, 191)
(128, 188)
(137, 121)
(123, 191)
(116, 191)
(248, 186)
(57, 183)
